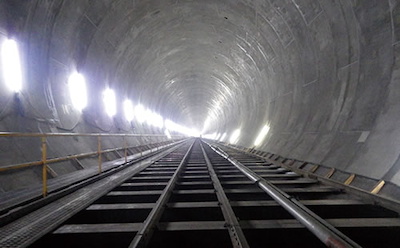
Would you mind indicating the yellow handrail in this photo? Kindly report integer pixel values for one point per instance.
(99, 152)
(45, 161)
(55, 160)
(15, 134)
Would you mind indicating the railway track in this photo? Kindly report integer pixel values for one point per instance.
(201, 195)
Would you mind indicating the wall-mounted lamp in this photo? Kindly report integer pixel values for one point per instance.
(110, 103)
(12, 71)
(77, 91)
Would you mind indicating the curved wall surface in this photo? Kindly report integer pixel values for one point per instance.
(324, 75)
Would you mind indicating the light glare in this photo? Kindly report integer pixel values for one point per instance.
(167, 133)
(77, 91)
(140, 113)
(110, 102)
(222, 137)
(207, 123)
(235, 136)
(154, 119)
(212, 136)
(11, 65)
(172, 126)
(157, 120)
(128, 109)
(148, 116)
(264, 131)
(143, 115)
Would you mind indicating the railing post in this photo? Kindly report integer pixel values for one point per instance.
(126, 150)
(99, 152)
(44, 168)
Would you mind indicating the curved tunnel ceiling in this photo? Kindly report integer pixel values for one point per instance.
(192, 54)
(320, 73)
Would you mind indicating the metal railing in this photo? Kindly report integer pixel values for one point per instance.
(44, 156)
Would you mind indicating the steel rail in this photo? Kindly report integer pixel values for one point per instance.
(382, 200)
(27, 229)
(324, 231)
(143, 236)
(235, 231)
(33, 202)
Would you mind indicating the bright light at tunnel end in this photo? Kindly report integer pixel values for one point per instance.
(11, 65)
(77, 91)
(172, 126)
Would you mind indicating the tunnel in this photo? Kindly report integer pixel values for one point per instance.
(312, 82)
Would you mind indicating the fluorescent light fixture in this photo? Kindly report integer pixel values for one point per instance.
(235, 136)
(110, 103)
(77, 91)
(157, 120)
(128, 109)
(167, 133)
(148, 116)
(264, 131)
(223, 137)
(11, 65)
(144, 115)
(154, 119)
(140, 113)
(172, 126)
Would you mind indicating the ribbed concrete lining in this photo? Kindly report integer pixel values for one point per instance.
(323, 74)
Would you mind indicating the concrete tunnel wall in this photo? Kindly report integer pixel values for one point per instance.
(323, 74)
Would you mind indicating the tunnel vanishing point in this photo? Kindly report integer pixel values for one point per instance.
(313, 84)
